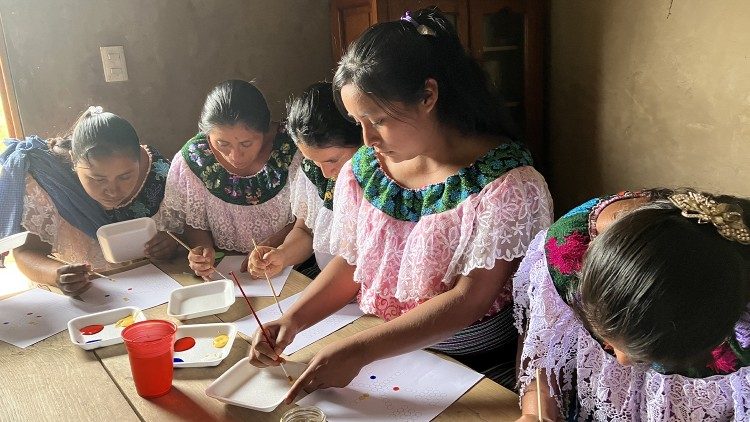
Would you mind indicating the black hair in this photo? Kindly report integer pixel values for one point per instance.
(391, 62)
(100, 134)
(313, 119)
(232, 102)
(665, 288)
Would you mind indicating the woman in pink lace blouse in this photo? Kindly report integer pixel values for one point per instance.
(430, 217)
(229, 185)
(632, 310)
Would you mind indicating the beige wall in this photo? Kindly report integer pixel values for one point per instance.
(639, 100)
(176, 50)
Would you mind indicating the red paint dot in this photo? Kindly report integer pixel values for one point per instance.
(30, 313)
(91, 329)
(185, 343)
(396, 388)
(130, 288)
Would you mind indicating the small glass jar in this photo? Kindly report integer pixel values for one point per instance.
(304, 414)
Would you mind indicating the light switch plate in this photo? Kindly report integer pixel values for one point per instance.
(113, 61)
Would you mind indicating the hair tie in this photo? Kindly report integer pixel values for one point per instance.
(94, 110)
(422, 29)
(728, 222)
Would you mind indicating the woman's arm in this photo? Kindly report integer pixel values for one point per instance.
(32, 260)
(432, 321)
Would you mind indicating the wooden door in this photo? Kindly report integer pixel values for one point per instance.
(349, 19)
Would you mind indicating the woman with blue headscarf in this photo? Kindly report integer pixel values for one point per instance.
(63, 190)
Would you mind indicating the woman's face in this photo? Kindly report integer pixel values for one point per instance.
(236, 146)
(109, 180)
(330, 159)
(398, 139)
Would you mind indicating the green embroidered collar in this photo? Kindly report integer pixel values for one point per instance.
(411, 204)
(241, 190)
(324, 186)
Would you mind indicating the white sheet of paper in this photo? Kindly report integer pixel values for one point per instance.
(339, 319)
(252, 287)
(416, 386)
(143, 287)
(36, 314)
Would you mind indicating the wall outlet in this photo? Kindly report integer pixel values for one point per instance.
(113, 61)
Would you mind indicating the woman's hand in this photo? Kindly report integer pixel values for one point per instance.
(73, 279)
(161, 247)
(201, 260)
(281, 332)
(265, 259)
(335, 365)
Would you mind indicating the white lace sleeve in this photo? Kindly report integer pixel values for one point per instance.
(509, 213)
(578, 368)
(39, 213)
(185, 199)
(347, 197)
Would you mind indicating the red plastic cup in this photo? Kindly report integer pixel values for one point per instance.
(149, 345)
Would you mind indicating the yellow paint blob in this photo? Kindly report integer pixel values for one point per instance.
(128, 320)
(220, 341)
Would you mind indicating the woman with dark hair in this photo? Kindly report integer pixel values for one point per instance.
(229, 184)
(430, 219)
(636, 306)
(327, 140)
(63, 190)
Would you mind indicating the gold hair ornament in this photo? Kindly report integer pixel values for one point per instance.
(727, 220)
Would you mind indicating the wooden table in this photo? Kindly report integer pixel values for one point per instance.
(55, 380)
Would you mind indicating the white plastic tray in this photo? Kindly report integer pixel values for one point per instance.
(106, 337)
(260, 389)
(13, 241)
(211, 297)
(124, 241)
(204, 353)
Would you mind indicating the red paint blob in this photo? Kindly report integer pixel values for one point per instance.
(130, 288)
(185, 343)
(396, 388)
(91, 329)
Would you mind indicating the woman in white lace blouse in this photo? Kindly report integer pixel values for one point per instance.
(230, 184)
(633, 311)
(63, 190)
(327, 140)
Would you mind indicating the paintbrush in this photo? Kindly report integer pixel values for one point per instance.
(62, 261)
(267, 279)
(260, 325)
(184, 245)
(538, 395)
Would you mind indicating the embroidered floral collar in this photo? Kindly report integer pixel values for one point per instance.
(241, 190)
(324, 186)
(412, 204)
(148, 199)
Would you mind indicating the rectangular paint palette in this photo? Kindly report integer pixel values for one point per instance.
(109, 333)
(212, 297)
(201, 351)
(260, 389)
(124, 241)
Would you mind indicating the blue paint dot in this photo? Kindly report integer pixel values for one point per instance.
(372, 377)
(178, 360)
(94, 341)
